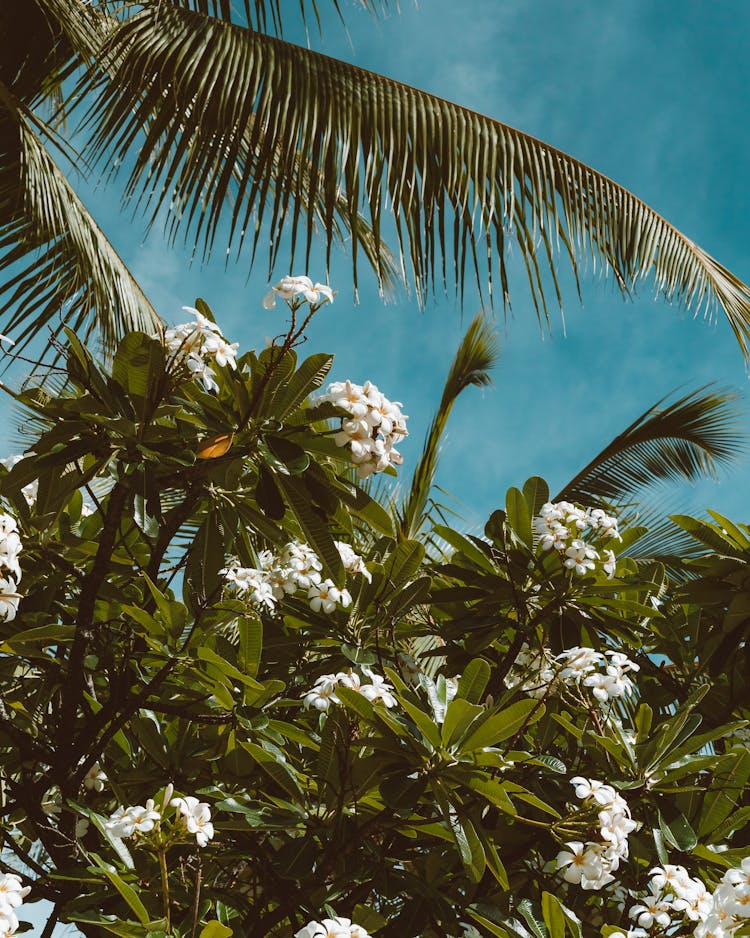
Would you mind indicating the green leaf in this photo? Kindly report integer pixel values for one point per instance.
(291, 454)
(427, 727)
(502, 725)
(553, 914)
(225, 667)
(678, 832)
(474, 680)
(465, 546)
(126, 891)
(268, 496)
(215, 929)
(359, 704)
(306, 379)
(531, 913)
(518, 515)
(458, 716)
(41, 635)
(314, 527)
(251, 644)
(205, 559)
(494, 792)
(138, 366)
(536, 493)
(726, 789)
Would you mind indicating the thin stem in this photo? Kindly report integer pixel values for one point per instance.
(165, 887)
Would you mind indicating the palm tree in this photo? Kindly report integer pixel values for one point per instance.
(243, 136)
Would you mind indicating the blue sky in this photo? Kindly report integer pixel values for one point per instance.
(654, 102)
(654, 98)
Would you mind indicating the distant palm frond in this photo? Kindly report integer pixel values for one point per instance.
(220, 112)
(471, 365)
(269, 15)
(62, 267)
(685, 440)
(663, 542)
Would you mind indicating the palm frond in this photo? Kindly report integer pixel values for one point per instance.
(196, 93)
(663, 542)
(62, 266)
(471, 365)
(685, 440)
(270, 15)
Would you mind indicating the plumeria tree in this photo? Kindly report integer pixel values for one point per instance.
(242, 695)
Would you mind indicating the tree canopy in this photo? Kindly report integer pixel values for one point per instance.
(239, 697)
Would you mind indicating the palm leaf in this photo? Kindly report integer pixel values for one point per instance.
(471, 364)
(217, 112)
(663, 542)
(265, 15)
(61, 263)
(685, 440)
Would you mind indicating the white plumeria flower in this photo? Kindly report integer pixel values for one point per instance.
(610, 563)
(95, 778)
(352, 562)
(378, 690)
(4, 338)
(289, 287)
(712, 927)
(738, 901)
(125, 822)
(332, 928)
(323, 693)
(197, 816)
(222, 351)
(8, 922)
(326, 596)
(12, 891)
(202, 323)
(349, 679)
(695, 903)
(576, 860)
(373, 428)
(654, 910)
(607, 686)
(591, 788)
(740, 874)
(9, 599)
(580, 557)
(578, 662)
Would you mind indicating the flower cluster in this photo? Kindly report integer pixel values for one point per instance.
(323, 692)
(296, 567)
(676, 899)
(591, 864)
(332, 928)
(605, 675)
(197, 345)
(192, 815)
(10, 570)
(12, 894)
(137, 819)
(373, 428)
(289, 287)
(566, 527)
